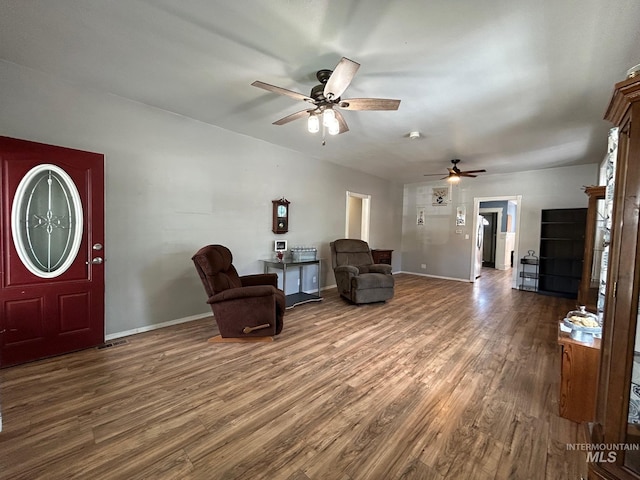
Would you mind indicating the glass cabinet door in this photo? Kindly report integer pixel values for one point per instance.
(594, 244)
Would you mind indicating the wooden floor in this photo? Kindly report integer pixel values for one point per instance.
(446, 380)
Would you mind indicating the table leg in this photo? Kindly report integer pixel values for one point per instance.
(284, 278)
(300, 275)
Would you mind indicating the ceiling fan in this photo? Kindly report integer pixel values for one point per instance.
(455, 173)
(326, 99)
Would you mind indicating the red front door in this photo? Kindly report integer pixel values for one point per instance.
(51, 250)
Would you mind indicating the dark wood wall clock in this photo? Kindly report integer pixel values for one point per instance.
(280, 215)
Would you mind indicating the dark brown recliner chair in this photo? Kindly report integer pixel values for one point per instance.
(247, 306)
(358, 278)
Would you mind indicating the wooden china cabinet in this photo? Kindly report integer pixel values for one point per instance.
(617, 424)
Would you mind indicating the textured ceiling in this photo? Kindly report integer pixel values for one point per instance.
(507, 85)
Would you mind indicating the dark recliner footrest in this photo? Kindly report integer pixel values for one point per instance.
(373, 280)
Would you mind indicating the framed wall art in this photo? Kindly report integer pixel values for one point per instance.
(440, 196)
(461, 216)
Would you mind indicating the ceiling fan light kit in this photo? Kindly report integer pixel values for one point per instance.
(330, 121)
(334, 128)
(326, 98)
(313, 123)
(328, 117)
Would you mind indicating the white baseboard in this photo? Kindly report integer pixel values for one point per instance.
(156, 326)
(436, 276)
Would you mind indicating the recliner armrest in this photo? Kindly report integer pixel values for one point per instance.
(243, 292)
(380, 268)
(350, 269)
(260, 279)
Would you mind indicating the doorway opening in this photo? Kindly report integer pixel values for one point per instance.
(491, 226)
(358, 216)
(504, 213)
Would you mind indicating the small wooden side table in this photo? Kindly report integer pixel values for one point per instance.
(381, 256)
(578, 378)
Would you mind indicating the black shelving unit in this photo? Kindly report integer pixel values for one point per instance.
(529, 272)
(561, 251)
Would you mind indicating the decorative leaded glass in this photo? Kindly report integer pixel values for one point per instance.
(46, 221)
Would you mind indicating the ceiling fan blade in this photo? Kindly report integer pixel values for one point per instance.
(340, 78)
(474, 171)
(341, 121)
(292, 117)
(282, 91)
(466, 174)
(436, 175)
(369, 104)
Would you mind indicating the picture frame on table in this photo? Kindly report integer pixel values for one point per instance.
(279, 245)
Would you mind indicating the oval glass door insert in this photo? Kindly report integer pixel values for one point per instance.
(46, 221)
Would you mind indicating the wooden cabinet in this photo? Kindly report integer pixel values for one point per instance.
(617, 420)
(381, 256)
(561, 251)
(578, 378)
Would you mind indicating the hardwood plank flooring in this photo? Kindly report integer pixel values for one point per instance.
(447, 380)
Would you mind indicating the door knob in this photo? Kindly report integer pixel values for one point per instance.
(96, 261)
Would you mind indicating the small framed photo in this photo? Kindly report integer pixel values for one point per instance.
(279, 245)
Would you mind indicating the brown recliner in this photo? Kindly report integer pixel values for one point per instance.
(357, 277)
(243, 306)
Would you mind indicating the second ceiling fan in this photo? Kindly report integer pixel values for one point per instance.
(326, 99)
(455, 173)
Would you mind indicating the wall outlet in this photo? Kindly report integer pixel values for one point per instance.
(466, 237)
(424, 265)
(314, 279)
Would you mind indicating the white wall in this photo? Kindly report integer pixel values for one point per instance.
(174, 184)
(446, 253)
(509, 241)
